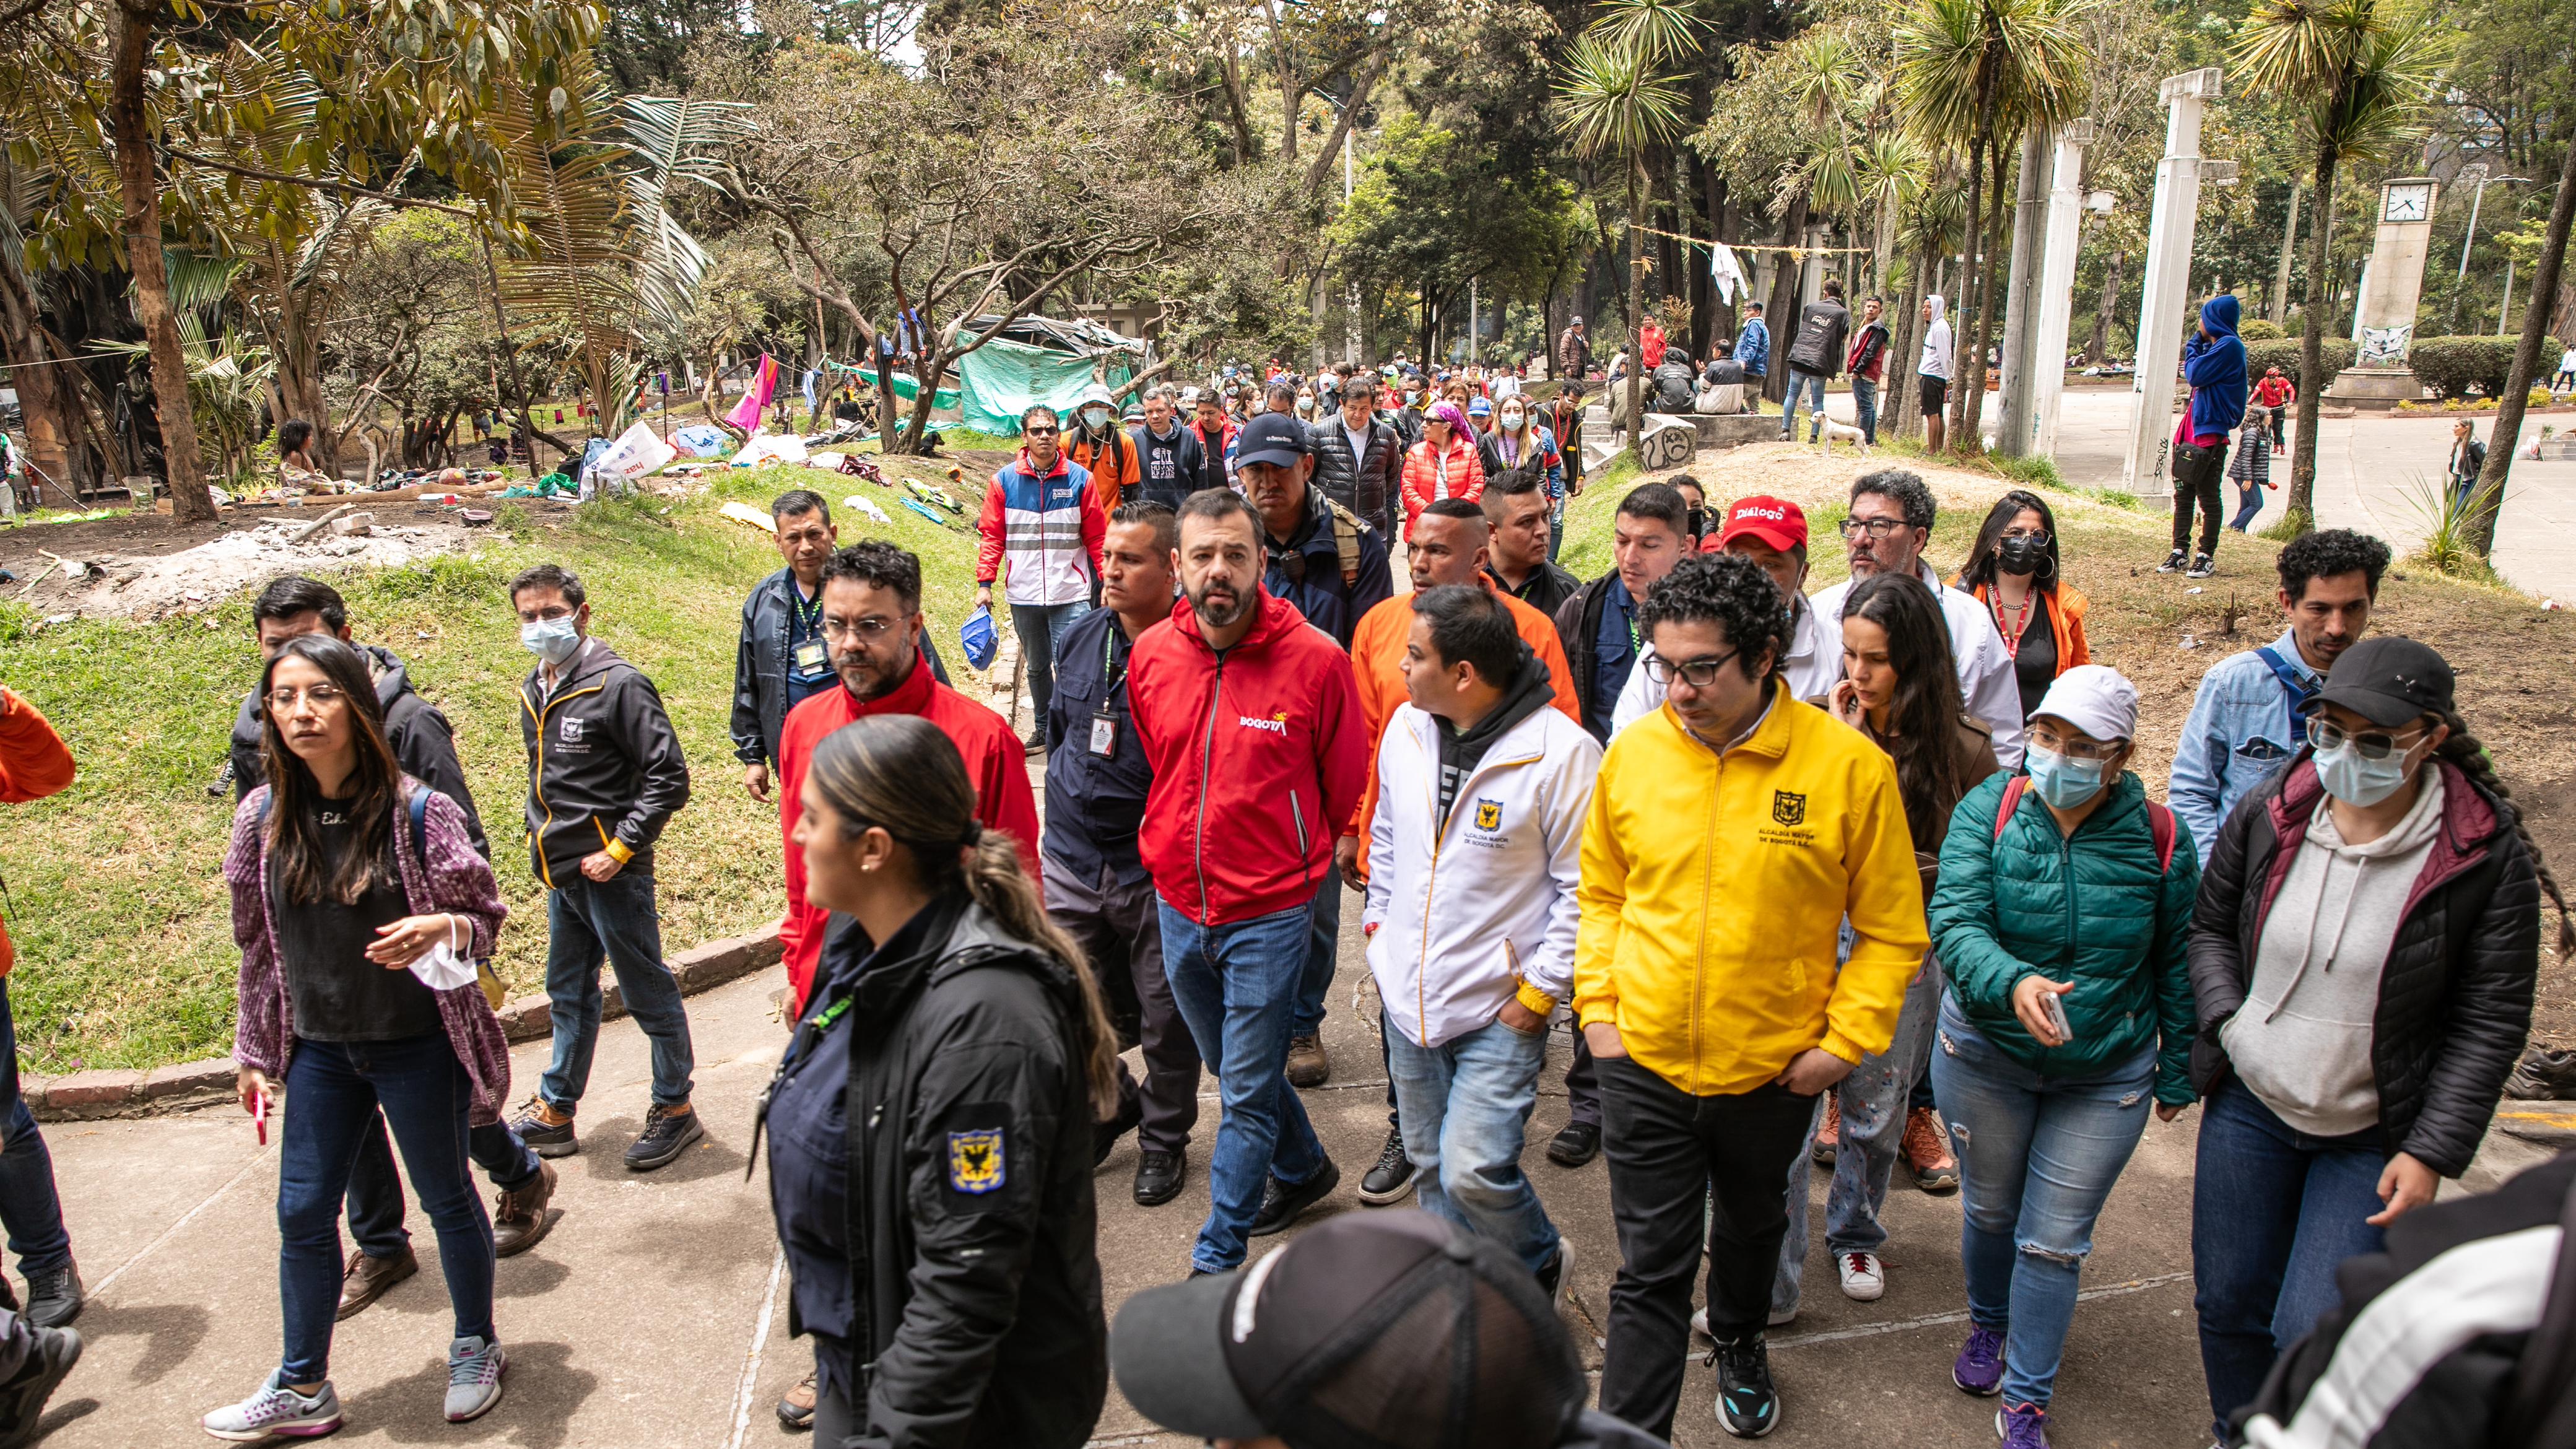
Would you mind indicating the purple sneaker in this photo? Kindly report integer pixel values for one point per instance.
(2022, 1426)
(1980, 1369)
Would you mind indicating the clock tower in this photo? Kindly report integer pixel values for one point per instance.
(2384, 327)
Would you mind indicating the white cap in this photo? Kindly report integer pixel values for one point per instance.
(2096, 699)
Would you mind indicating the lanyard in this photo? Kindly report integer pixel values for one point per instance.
(1108, 649)
(808, 1036)
(808, 620)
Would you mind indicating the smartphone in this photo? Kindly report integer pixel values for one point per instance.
(2054, 1009)
(259, 1115)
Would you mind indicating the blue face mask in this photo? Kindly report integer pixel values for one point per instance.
(552, 640)
(2062, 782)
(2356, 781)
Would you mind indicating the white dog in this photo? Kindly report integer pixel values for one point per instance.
(1844, 433)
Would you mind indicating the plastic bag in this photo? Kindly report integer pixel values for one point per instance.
(980, 639)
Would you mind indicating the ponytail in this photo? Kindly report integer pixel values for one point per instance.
(2462, 750)
(991, 872)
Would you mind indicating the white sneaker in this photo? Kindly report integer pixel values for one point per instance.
(1699, 1321)
(1864, 1277)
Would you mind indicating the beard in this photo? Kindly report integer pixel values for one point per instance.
(873, 675)
(1218, 604)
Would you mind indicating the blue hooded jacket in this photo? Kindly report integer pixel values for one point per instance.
(2215, 367)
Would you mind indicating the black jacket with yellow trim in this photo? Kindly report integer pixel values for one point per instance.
(603, 764)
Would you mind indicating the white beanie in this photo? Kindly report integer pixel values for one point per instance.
(2096, 699)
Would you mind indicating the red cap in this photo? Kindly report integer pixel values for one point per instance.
(1776, 521)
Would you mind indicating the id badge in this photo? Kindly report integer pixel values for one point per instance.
(1104, 734)
(809, 656)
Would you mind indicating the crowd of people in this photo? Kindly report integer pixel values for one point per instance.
(1834, 879)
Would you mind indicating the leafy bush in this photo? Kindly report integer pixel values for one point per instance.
(2451, 366)
(2260, 330)
(2283, 353)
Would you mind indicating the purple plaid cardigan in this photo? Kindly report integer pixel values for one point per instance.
(453, 879)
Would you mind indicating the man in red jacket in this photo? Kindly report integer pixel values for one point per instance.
(34, 763)
(1251, 720)
(872, 622)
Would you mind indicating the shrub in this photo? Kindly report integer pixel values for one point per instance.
(2283, 353)
(2260, 330)
(2451, 366)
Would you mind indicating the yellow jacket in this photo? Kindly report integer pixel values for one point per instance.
(1713, 889)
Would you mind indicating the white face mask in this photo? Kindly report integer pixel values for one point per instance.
(1095, 418)
(552, 640)
(1512, 418)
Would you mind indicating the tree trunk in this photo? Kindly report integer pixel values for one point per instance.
(1636, 301)
(2301, 511)
(2507, 433)
(1783, 307)
(1705, 204)
(190, 501)
(1973, 403)
(518, 379)
(2100, 347)
(2280, 298)
(1980, 145)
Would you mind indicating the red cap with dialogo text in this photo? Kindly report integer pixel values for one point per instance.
(1776, 521)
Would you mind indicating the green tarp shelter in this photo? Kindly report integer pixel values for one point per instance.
(1038, 360)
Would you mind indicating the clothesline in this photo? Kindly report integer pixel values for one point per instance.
(1795, 253)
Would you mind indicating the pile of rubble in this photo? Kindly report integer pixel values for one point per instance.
(150, 586)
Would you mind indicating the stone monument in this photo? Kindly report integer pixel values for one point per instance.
(2161, 309)
(2384, 322)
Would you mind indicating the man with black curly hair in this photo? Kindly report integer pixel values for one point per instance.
(1703, 978)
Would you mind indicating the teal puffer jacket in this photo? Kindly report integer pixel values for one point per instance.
(2089, 910)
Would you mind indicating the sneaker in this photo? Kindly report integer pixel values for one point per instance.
(279, 1411)
(1307, 1064)
(1748, 1407)
(1280, 1203)
(796, 1406)
(1829, 1137)
(1158, 1177)
(2173, 562)
(474, 1369)
(1035, 744)
(519, 1216)
(1391, 1180)
(667, 1133)
(2202, 567)
(22, 1399)
(2544, 1074)
(1979, 1369)
(368, 1277)
(1554, 1279)
(547, 1132)
(2022, 1426)
(1864, 1276)
(54, 1299)
(1575, 1144)
(1778, 1317)
(1927, 1152)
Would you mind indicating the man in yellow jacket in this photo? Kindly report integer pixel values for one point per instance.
(1731, 833)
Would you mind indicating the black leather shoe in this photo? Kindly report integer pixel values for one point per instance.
(1280, 1203)
(1391, 1180)
(1575, 1144)
(54, 1299)
(1158, 1177)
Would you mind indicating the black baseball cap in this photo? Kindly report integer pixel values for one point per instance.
(1271, 438)
(1384, 1331)
(2388, 681)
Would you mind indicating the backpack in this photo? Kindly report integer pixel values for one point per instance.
(418, 808)
(1347, 527)
(2160, 821)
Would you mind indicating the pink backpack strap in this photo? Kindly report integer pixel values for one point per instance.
(2160, 825)
(2011, 802)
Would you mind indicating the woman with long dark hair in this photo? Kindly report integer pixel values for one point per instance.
(2014, 572)
(1901, 689)
(2363, 957)
(360, 907)
(945, 1240)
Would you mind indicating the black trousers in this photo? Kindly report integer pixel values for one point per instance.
(2196, 479)
(1669, 1153)
(1582, 1084)
(1120, 930)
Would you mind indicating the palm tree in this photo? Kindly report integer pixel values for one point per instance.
(1615, 100)
(2358, 73)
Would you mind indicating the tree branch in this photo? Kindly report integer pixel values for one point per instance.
(343, 187)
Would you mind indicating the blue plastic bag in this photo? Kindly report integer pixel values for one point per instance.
(980, 639)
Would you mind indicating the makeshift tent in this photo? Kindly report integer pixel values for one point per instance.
(1038, 360)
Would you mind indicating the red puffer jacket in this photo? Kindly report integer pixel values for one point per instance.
(33, 765)
(1258, 758)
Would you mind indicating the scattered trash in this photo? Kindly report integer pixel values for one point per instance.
(749, 517)
(477, 517)
(2188, 642)
(867, 506)
(925, 511)
(2192, 590)
(2552, 605)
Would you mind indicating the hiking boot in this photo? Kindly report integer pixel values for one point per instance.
(796, 1406)
(55, 1298)
(368, 1277)
(519, 1216)
(2173, 562)
(1864, 1276)
(474, 1369)
(1927, 1152)
(22, 1399)
(2545, 1074)
(547, 1132)
(1829, 1137)
(1035, 744)
(1307, 1064)
(1391, 1180)
(1575, 1144)
(276, 1410)
(1748, 1407)
(1158, 1177)
(668, 1131)
(1559, 1272)
(1280, 1203)
(2202, 567)
(2022, 1426)
(1979, 1369)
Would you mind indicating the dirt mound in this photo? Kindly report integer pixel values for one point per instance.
(155, 584)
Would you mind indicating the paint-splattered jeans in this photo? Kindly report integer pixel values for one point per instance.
(2037, 1157)
(1872, 1100)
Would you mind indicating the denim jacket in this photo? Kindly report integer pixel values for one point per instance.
(2240, 731)
(1753, 348)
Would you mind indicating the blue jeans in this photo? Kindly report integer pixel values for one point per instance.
(1236, 985)
(333, 1092)
(1865, 403)
(1814, 387)
(2273, 1212)
(2037, 1157)
(585, 920)
(2249, 502)
(29, 1208)
(1465, 1106)
(1040, 628)
(1873, 1100)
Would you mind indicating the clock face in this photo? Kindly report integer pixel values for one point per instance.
(2407, 203)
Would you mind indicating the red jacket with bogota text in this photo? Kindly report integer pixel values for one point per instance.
(1258, 759)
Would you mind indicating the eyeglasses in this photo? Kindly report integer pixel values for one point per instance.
(2074, 749)
(1697, 673)
(874, 626)
(2375, 745)
(2036, 535)
(1874, 527)
(320, 696)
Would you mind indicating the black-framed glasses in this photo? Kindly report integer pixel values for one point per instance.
(1874, 527)
(2369, 744)
(1697, 673)
(1038, 432)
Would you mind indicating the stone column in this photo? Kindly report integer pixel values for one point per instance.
(2168, 283)
(2065, 236)
(2391, 282)
(2022, 297)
